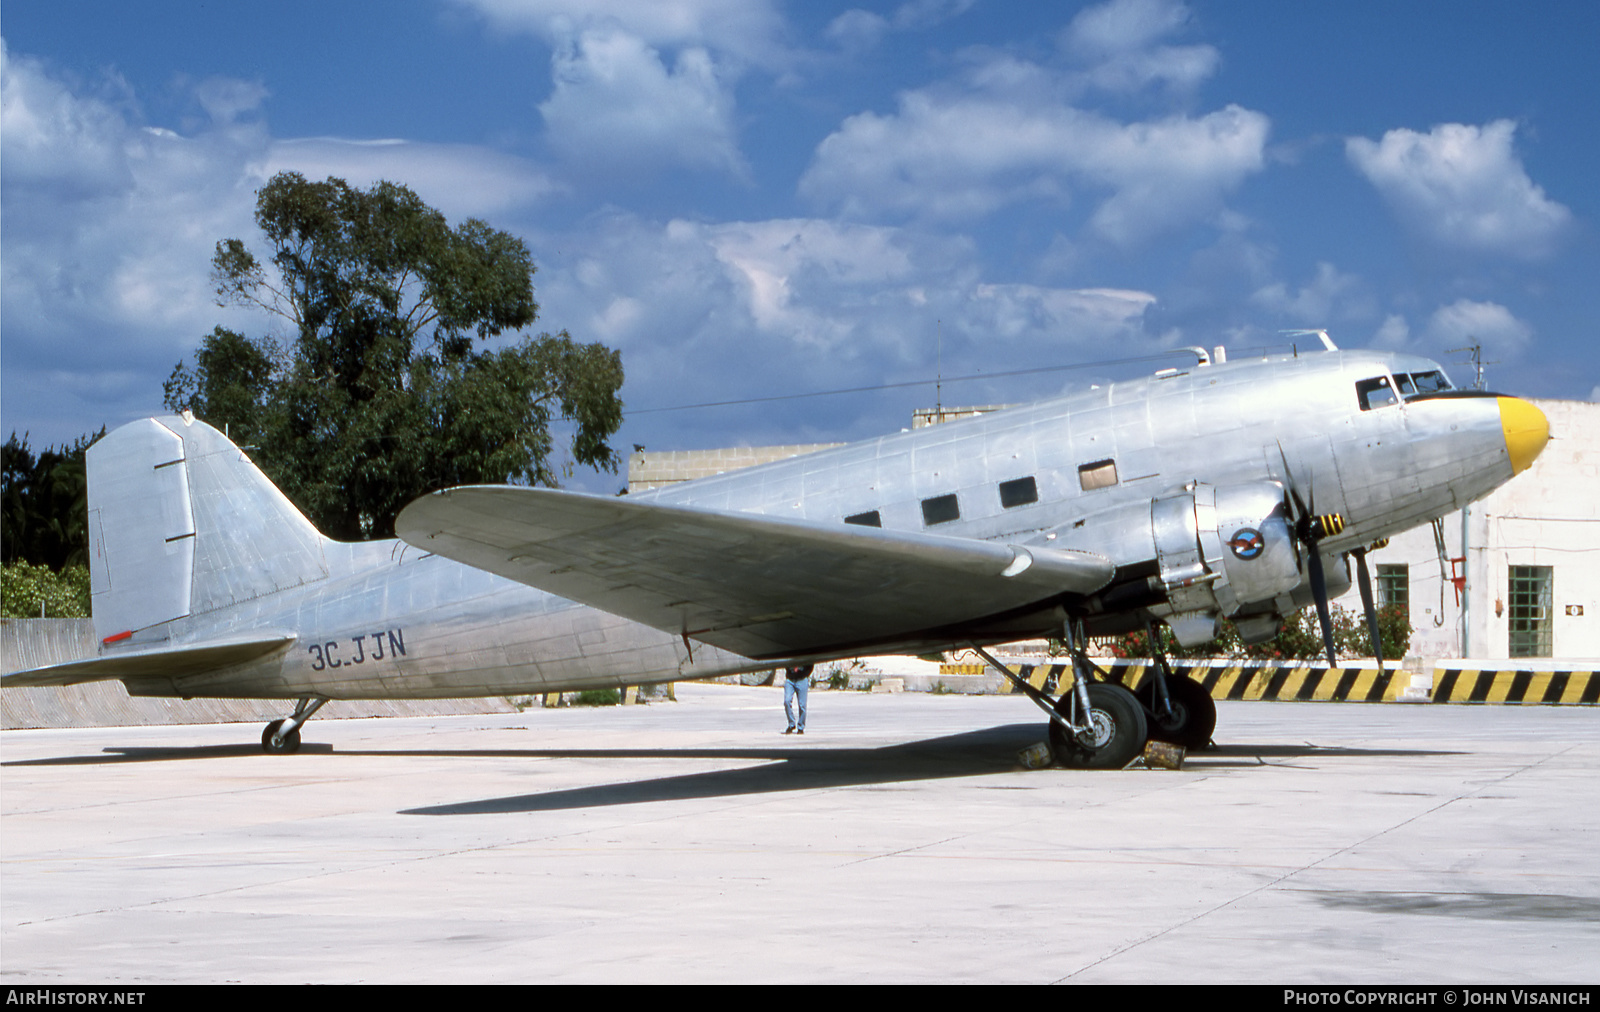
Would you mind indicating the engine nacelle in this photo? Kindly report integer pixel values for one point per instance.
(1216, 550)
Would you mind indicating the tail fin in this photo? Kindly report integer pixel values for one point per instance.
(181, 523)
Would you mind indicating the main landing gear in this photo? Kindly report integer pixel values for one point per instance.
(1094, 725)
(1101, 725)
(1181, 711)
(282, 737)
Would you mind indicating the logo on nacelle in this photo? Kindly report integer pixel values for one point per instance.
(1247, 543)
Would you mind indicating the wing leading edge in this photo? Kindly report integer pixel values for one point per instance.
(760, 586)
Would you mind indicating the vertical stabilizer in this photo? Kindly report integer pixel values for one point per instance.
(181, 522)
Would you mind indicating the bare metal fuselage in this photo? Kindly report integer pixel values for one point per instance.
(391, 621)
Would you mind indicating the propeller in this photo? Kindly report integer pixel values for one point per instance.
(1309, 528)
(1365, 582)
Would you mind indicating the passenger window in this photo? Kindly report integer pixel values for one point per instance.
(1100, 474)
(1020, 492)
(1375, 393)
(940, 510)
(871, 519)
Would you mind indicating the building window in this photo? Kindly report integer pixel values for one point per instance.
(871, 519)
(940, 510)
(1018, 493)
(1530, 611)
(1394, 588)
(1100, 474)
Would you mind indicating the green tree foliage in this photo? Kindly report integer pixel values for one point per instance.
(1300, 639)
(44, 503)
(29, 591)
(385, 390)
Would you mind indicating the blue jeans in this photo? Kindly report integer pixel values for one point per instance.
(793, 687)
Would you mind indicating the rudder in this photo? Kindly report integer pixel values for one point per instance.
(181, 523)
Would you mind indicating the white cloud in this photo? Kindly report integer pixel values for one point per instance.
(749, 31)
(1393, 334)
(460, 180)
(1462, 187)
(1464, 322)
(1118, 42)
(707, 312)
(617, 108)
(1315, 303)
(963, 156)
(644, 84)
(109, 228)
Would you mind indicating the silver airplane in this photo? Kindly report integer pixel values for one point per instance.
(1198, 493)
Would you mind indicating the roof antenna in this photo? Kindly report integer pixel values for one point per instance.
(938, 376)
(1327, 342)
(1477, 361)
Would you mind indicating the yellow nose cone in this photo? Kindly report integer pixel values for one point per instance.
(1526, 430)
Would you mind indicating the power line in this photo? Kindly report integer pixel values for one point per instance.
(915, 383)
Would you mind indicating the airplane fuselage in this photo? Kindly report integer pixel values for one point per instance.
(389, 620)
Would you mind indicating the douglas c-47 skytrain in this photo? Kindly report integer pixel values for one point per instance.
(1229, 489)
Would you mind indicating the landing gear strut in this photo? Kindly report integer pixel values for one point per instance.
(1094, 725)
(1180, 710)
(282, 737)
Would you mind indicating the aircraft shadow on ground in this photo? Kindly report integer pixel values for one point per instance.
(790, 767)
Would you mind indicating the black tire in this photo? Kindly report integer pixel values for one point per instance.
(1193, 717)
(1119, 730)
(291, 741)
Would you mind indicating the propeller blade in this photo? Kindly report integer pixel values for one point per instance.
(1364, 581)
(1319, 593)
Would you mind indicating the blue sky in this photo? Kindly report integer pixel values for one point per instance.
(753, 199)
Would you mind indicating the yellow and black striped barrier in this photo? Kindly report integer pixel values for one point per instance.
(1516, 686)
(1320, 683)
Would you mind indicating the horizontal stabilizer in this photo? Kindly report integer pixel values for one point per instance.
(171, 662)
(758, 585)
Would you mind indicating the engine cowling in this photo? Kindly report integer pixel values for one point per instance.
(1217, 550)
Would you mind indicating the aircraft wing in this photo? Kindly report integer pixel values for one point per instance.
(758, 585)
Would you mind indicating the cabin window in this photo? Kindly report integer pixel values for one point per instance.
(940, 509)
(871, 519)
(1375, 393)
(1100, 474)
(1020, 492)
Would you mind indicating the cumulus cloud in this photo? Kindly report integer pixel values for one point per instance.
(947, 156)
(618, 107)
(110, 225)
(1118, 43)
(1315, 303)
(1459, 324)
(750, 31)
(1462, 187)
(643, 84)
(1464, 322)
(706, 312)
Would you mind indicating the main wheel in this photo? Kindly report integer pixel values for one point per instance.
(289, 745)
(1117, 730)
(1193, 717)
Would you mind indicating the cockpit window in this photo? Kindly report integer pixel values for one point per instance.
(1375, 393)
(1430, 382)
(1403, 381)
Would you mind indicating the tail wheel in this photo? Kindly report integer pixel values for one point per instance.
(1117, 730)
(289, 745)
(1193, 717)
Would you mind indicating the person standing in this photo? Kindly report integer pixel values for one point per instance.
(796, 683)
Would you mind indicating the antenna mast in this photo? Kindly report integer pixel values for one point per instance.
(1477, 361)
